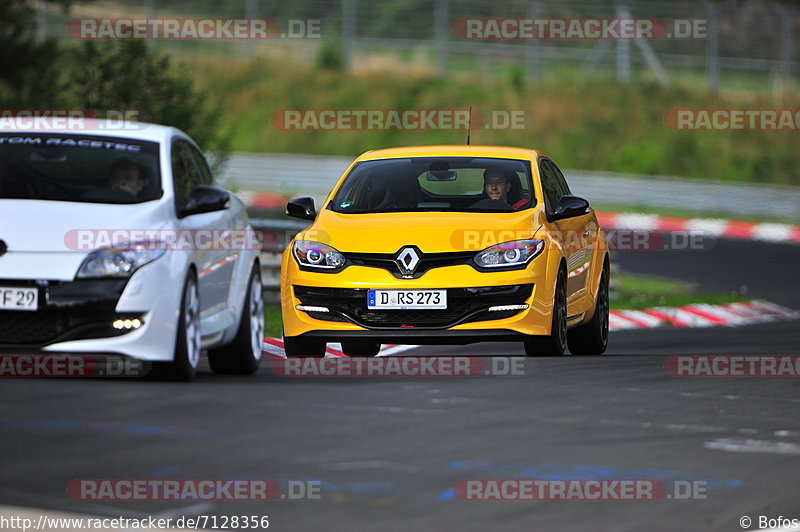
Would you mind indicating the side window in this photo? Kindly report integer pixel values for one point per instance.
(562, 183)
(184, 172)
(550, 186)
(202, 164)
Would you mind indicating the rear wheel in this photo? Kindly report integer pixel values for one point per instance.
(554, 344)
(360, 348)
(243, 355)
(592, 338)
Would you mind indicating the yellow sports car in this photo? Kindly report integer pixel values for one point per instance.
(447, 245)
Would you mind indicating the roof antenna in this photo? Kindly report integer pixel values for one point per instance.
(469, 124)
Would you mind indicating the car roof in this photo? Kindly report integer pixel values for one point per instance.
(109, 128)
(505, 152)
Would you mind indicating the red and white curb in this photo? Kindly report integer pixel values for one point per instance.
(694, 316)
(768, 232)
(701, 315)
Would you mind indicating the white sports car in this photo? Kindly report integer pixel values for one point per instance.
(117, 242)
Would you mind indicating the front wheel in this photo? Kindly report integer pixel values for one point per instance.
(554, 344)
(592, 338)
(187, 341)
(243, 355)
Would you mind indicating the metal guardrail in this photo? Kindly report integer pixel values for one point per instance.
(274, 236)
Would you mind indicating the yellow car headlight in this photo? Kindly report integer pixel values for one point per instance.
(509, 254)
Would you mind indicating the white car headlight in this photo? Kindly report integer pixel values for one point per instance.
(120, 261)
(509, 254)
(317, 255)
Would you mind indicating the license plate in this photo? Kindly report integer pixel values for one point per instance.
(406, 299)
(19, 298)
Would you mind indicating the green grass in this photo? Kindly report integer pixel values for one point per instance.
(273, 322)
(582, 123)
(636, 292)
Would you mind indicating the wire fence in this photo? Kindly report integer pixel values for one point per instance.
(737, 44)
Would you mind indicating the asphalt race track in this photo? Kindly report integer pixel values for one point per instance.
(387, 452)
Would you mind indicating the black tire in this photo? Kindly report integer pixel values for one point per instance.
(554, 344)
(243, 355)
(360, 348)
(187, 341)
(294, 346)
(592, 337)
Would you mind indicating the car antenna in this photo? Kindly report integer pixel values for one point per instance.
(469, 124)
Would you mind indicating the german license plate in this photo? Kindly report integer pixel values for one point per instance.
(406, 299)
(19, 298)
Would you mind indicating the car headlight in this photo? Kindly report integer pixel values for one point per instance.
(317, 255)
(509, 254)
(120, 261)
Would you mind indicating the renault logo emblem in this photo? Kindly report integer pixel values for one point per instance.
(407, 260)
(3, 248)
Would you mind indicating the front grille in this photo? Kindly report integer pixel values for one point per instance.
(51, 325)
(464, 305)
(75, 310)
(427, 261)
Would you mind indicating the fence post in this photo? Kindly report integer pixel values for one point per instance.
(623, 53)
(149, 13)
(441, 15)
(250, 12)
(41, 20)
(533, 46)
(786, 45)
(348, 32)
(712, 48)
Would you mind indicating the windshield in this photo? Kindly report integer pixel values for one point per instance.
(461, 184)
(78, 168)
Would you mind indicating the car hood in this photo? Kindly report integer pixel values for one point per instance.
(54, 226)
(432, 232)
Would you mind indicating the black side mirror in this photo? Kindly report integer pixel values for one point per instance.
(302, 208)
(206, 198)
(570, 206)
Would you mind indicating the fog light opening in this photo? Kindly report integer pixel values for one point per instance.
(307, 308)
(501, 308)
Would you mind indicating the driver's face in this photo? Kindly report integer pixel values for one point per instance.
(496, 187)
(128, 179)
